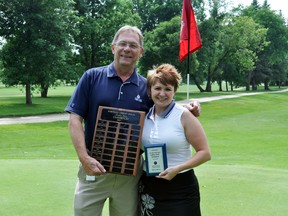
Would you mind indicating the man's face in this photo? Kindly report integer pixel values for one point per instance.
(127, 50)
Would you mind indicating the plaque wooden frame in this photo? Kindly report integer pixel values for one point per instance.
(117, 138)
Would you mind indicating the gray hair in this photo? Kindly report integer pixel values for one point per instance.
(129, 28)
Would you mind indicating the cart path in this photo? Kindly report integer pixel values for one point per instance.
(65, 116)
(207, 99)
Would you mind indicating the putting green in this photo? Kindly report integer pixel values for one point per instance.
(243, 190)
(32, 187)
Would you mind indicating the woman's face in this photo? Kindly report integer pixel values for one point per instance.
(162, 95)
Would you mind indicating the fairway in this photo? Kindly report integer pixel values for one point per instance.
(37, 187)
(247, 175)
(243, 190)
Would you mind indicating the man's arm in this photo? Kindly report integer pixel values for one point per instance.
(90, 165)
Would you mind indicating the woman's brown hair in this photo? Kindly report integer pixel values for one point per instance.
(166, 74)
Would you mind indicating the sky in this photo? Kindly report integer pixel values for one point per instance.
(274, 5)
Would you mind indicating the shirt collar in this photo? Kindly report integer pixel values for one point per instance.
(163, 114)
(133, 78)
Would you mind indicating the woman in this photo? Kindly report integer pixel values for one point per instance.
(175, 191)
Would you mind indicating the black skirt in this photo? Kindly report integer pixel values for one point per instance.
(160, 197)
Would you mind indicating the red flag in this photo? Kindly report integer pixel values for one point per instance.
(189, 31)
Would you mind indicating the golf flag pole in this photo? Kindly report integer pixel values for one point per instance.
(190, 39)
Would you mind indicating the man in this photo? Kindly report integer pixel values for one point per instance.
(115, 85)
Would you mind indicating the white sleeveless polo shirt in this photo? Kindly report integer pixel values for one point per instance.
(167, 128)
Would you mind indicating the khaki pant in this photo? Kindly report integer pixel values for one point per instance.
(121, 190)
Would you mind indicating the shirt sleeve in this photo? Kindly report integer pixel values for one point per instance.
(79, 101)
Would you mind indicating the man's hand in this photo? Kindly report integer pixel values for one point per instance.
(194, 107)
(92, 167)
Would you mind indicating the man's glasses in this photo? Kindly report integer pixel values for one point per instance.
(124, 44)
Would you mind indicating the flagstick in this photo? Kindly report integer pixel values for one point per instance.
(188, 78)
(188, 72)
(188, 59)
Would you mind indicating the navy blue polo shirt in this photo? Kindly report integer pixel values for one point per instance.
(103, 87)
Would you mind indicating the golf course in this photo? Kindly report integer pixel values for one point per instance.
(247, 176)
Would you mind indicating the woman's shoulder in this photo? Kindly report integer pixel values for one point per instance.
(180, 109)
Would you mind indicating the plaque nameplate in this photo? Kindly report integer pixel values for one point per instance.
(155, 159)
(117, 139)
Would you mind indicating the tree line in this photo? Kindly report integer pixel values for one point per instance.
(45, 42)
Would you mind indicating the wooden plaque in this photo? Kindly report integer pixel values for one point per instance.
(117, 139)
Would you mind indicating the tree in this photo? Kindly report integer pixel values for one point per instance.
(255, 4)
(210, 54)
(199, 9)
(162, 46)
(153, 12)
(37, 42)
(242, 39)
(230, 49)
(98, 21)
(275, 54)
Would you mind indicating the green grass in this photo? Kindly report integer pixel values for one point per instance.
(12, 99)
(12, 102)
(242, 190)
(258, 123)
(247, 175)
(37, 187)
(34, 141)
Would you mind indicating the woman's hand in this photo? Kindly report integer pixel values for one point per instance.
(169, 173)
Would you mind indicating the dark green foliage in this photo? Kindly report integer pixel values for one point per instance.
(52, 41)
(37, 39)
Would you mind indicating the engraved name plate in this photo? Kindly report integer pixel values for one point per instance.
(117, 138)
